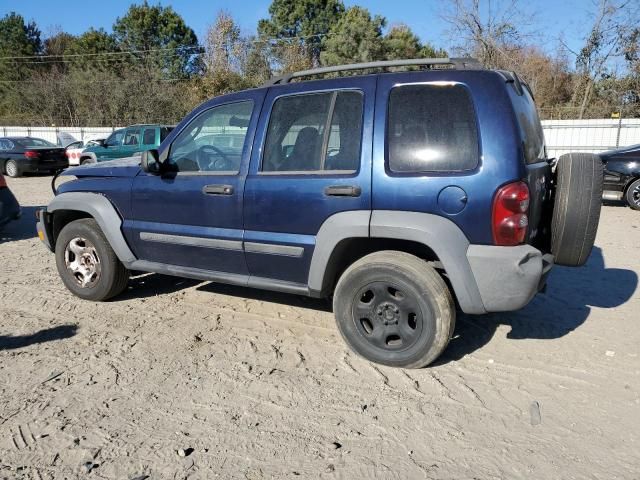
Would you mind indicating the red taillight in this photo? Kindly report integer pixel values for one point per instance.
(510, 220)
(31, 154)
(68, 154)
(3, 182)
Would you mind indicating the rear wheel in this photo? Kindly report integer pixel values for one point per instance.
(87, 264)
(11, 168)
(86, 161)
(393, 308)
(576, 211)
(633, 195)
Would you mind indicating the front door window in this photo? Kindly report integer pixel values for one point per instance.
(213, 141)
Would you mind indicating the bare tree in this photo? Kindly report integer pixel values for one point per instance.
(489, 30)
(225, 49)
(613, 20)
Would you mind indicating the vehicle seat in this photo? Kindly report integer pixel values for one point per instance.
(304, 155)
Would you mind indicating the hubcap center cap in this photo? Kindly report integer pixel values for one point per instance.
(389, 313)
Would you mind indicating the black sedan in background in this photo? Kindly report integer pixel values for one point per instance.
(9, 208)
(20, 155)
(622, 175)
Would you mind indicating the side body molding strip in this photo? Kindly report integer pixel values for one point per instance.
(103, 212)
(192, 241)
(444, 238)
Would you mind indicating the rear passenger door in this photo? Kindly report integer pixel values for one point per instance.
(311, 160)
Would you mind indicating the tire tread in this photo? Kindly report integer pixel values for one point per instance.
(433, 285)
(579, 179)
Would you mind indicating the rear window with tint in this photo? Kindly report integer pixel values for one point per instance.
(432, 128)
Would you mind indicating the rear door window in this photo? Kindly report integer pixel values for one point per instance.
(149, 136)
(315, 132)
(431, 128)
(132, 137)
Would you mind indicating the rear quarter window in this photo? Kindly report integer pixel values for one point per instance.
(431, 128)
(529, 125)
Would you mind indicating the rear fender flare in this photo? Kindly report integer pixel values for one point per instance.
(440, 234)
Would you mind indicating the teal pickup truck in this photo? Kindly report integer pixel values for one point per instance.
(126, 142)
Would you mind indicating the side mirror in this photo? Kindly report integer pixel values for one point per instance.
(101, 142)
(149, 160)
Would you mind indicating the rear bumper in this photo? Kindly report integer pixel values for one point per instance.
(508, 277)
(42, 166)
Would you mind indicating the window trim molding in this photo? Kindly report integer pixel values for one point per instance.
(297, 173)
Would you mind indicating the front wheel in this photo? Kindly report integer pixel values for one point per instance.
(87, 264)
(395, 309)
(633, 195)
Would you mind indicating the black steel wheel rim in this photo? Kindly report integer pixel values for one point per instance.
(387, 316)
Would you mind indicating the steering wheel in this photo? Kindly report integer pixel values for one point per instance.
(219, 164)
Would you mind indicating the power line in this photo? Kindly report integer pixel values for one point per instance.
(120, 52)
(199, 50)
(48, 80)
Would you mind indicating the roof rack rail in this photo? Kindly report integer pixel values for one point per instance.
(457, 63)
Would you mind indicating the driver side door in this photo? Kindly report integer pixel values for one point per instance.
(192, 216)
(110, 146)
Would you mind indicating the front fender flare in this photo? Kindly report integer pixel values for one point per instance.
(101, 209)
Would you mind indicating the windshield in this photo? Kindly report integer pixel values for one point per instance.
(34, 142)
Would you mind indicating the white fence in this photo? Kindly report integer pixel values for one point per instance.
(51, 133)
(562, 136)
(594, 136)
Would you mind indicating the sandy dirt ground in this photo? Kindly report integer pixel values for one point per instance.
(252, 385)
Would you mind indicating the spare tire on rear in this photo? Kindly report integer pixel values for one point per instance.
(576, 210)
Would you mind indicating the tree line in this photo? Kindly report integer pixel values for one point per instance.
(151, 67)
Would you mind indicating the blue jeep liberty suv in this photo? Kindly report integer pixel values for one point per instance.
(402, 193)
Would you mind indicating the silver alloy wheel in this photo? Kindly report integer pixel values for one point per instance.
(11, 168)
(82, 262)
(635, 195)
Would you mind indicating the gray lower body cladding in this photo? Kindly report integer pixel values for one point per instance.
(484, 278)
(508, 277)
